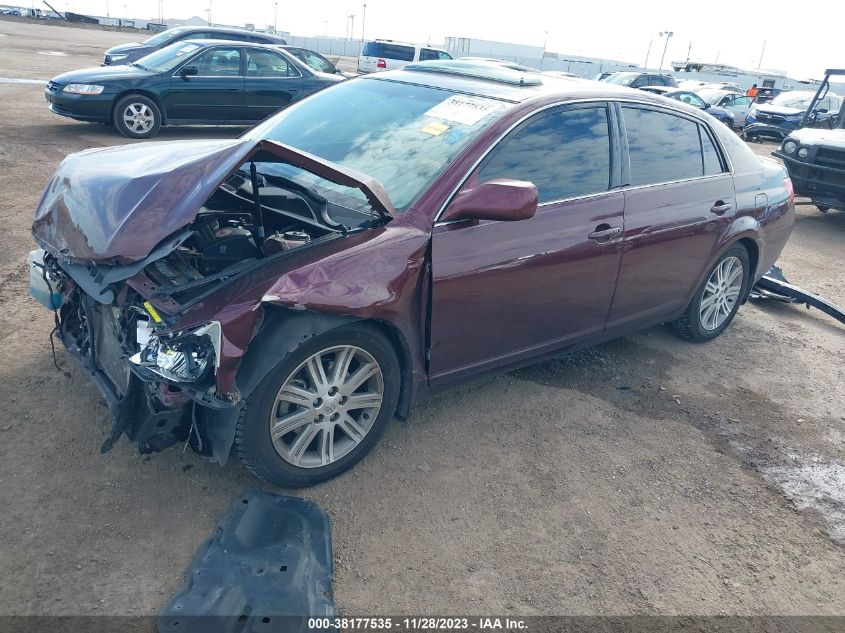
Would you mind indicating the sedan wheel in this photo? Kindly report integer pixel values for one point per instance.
(137, 116)
(321, 409)
(721, 292)
(327, 406)
(717, 300)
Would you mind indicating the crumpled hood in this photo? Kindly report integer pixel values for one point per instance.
(819, 136)
(117, 203)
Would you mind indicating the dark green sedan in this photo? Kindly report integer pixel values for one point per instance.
(206, 82)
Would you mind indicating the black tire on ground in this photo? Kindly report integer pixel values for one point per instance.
(822, 208)
(253, 443)
(689, 326)
(149, 116)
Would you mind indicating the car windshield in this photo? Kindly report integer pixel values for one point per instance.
(402, 135)
(621, 79)
(159, 38)
(168, 57)
(793, 100)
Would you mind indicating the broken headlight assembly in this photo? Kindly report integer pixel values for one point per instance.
(182, 357)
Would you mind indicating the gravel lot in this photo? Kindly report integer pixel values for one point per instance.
(644, 476)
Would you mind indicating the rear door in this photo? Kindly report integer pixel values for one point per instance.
(215, 93)
(504, 291)
(378, 56)
(680, 199)
(271, 83)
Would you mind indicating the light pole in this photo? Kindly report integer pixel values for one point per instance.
(275, 17)
(648, 53)
(208, 11)
(351, 26)
(760, 63)
(363, 21)
(668, 34)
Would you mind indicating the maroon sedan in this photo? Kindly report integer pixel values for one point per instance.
(283, 295)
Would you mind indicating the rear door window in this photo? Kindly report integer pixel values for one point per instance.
(427, 53)
(663, 147)
(264, 63)
(566, 154)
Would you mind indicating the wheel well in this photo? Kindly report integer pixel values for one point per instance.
(753, 259)
(143, 93)
(403, 353)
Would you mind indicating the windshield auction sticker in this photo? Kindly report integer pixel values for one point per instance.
(463, 109)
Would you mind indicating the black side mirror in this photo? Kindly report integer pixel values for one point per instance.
(820, 110)
(189, 71)
(706, 106)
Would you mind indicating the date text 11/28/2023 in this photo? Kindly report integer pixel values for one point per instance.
(417, 624)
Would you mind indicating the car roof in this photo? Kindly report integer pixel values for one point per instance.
(380, 41)
(224, 29)
(435, 74)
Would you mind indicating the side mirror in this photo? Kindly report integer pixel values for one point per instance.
(502, 200)
(820, 110)
(706, 106)
(189, 71)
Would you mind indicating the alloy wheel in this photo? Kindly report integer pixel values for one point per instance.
(138, 118)
(721, 292)
(326, 407)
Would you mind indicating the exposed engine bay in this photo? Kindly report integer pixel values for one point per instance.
(115, 320)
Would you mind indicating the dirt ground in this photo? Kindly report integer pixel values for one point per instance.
(643, 476)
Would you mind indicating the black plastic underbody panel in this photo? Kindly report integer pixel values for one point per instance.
(267, 568)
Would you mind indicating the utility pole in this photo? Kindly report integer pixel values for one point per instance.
(275, 17)
(351, 26)
(363, 21)
(208, 11)
(668, 34)
(689, 50)
(760, 63)
(648, 53)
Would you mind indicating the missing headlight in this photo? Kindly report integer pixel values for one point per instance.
(183, 357)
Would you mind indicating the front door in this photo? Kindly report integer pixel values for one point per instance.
(739, 105)
(504, 291)
(272, 83)
(680, 201)
(215, 93)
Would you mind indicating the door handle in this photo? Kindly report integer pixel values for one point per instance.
(604, 232)
(720, 207)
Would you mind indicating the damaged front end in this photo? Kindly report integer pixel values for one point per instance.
(153, 257)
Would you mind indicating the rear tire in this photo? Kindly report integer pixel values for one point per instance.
(303, 424)
(717, 300)
(136, 116)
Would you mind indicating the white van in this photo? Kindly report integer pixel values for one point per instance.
(380, 55)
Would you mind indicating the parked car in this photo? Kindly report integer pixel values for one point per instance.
(282, 295)
(196, 82)
(690, 98)
(640, 80)
(815, 159)
(736, 103)
(602, 75)
(723, 85)
(379, 55)
(315, 61)
(784, 114)
(128, 53)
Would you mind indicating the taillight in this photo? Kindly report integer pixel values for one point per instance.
(787, 182)
(381, 64)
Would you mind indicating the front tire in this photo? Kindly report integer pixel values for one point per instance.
(717, 300)
(136, 116)
(322, 408)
